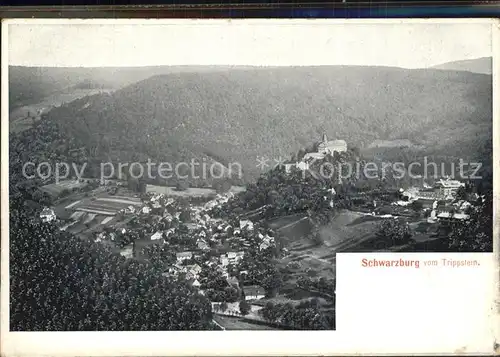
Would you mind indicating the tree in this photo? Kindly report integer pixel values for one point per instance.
(300, 154)
(231, 294)
(461, 194)
(59, 282)
(223, 306)
(476, 233)
(142, 186)
(244, 307)
(133, 184)
(393, 231)
(417, 206)
(269, 312)
(185, 216)
(38, 196)
(272, 282)
(221, 186)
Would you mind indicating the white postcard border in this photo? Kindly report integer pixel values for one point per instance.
(228, 342)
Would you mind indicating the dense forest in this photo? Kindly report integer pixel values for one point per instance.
(237, 116)
(59, 282)
(29, 85)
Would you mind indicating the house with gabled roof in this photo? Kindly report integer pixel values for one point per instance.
(246, 223)
(156, 236)
(449, 187)
(202, 245)
(264, 245)
(47, 215)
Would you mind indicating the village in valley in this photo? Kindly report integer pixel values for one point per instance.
(161, 192)
(255, 264)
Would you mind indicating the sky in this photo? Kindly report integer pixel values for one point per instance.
(236, 42)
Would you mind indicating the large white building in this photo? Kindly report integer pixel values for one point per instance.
(325, 147)
(449, 187)
(329, 147)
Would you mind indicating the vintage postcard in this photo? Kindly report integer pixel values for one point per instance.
(271, 187)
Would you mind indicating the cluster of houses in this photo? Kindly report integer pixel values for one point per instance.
(439, 199)
(237, 237)
(156, 204)
(444, 189)
(206, 234)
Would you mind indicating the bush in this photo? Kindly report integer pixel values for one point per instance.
(244, 307)
(221, 186)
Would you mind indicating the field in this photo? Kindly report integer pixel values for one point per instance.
(315, 258)
(348, 229)
(86, 214)
(190, 192)
(293, 227)
(55, 189)
(237, 189)
(104, 205)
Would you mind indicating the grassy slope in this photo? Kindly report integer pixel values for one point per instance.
(239, 115)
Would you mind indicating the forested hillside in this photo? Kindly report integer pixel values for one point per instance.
(59, 282)
(238, 115)
(29, 85)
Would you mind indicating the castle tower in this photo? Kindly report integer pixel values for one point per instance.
(325, 139)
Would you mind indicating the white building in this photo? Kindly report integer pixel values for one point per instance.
(234, 257)
(452, 216)
(192, 271)
(157, 235)
(325, 147)
(130, 209)
(127, 251)
(184, 256)
(202, 245)
(329, 147)
(224, 261)
(246, 224)
(47, 215)
(156, 205)
(264, 245)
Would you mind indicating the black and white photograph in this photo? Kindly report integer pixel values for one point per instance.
(169, 177)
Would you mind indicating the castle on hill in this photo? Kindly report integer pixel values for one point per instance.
(325, 147)
(329, 147)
